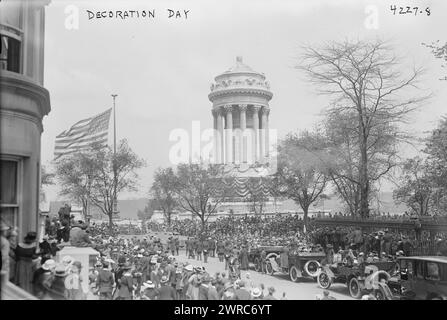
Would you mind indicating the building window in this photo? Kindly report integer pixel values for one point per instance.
(8, 192)
(10, 54)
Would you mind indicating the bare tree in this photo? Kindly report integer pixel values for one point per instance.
(365, 81)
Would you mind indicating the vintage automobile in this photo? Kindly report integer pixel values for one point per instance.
(300, 264)
(361, 279)
(254, 256)
(420, 277)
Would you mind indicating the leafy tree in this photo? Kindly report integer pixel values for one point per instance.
(365, 83)
(146, 214)
(162, 192)
(200, 189)
(257, 194)
(415, 187)
(90, 176)
(46, 179)
(75, 174)
(439, 51)
(300, 169)
(436, 150)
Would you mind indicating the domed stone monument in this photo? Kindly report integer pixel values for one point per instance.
(240, 98)
(242, 141)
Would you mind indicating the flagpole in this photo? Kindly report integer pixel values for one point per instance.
(115, 201)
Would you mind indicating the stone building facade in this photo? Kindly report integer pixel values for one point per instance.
(23, 103)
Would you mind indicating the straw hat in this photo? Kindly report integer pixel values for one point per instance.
(148, 284)
(164, 279)
(49, 264)
(228, 285)
(67, 260)
(4, 226)
(256, 293)
(60, 271)
(189, 268)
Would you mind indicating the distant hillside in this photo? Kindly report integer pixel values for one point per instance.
(386, 204)
(129, 208)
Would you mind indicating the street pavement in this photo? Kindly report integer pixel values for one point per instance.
(304, 289)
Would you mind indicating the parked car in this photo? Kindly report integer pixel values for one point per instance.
(361, 279)
(254, 256)
(300, 264)
(420, 277)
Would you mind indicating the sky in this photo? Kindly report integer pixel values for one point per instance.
(161, 68)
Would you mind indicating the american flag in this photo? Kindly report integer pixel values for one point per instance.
(83, 134)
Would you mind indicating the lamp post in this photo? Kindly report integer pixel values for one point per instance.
(115, 178)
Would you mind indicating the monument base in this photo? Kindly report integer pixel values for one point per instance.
(85, 255)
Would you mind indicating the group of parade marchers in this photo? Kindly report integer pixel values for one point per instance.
(297, 262)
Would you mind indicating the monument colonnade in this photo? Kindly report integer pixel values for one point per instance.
(243, 141)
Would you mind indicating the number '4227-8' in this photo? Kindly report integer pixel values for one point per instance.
(409, 10)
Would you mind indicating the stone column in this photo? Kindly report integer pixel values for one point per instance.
(229, 134)
(243, 126)
(265, 130)
(215, 133)
(255, 148)
(220, 150)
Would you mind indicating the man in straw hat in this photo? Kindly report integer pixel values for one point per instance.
(41, 277)
(256, 294)
(166, 291)
(148, 291)
(57, 289)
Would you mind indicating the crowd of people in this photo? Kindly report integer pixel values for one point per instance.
(127, 268)
(148, 268)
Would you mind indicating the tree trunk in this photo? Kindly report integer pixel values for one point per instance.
(363, 179)
(202, 217)
(305, 218)
(168, 216)
(110, 223)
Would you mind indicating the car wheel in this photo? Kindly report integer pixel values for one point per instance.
(293, 274)
(257, 265)
(312, 268)
(269, 268)
(354, 288)
(379, 294)
(324, 281)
